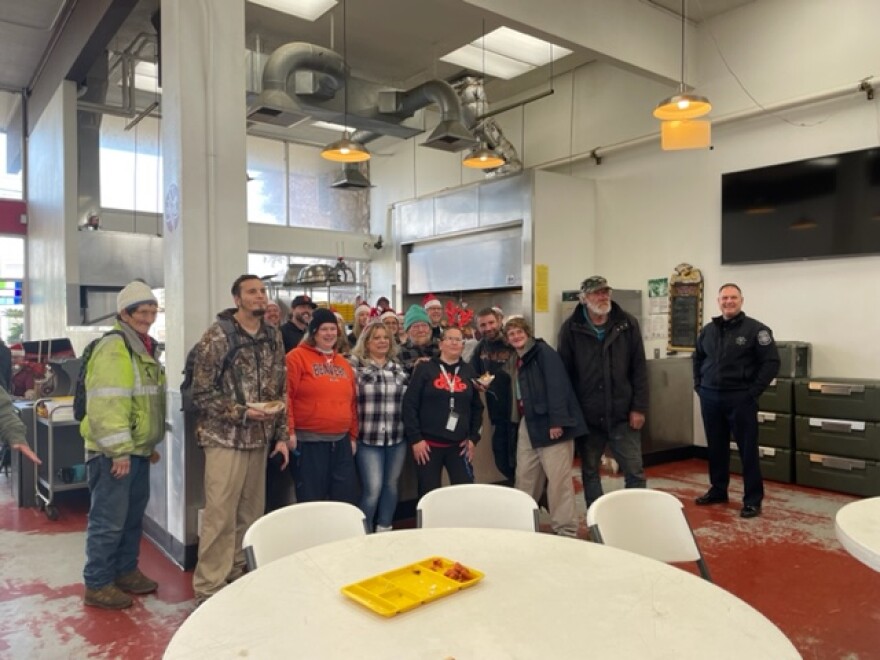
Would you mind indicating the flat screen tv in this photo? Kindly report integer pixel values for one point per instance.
(810, 209)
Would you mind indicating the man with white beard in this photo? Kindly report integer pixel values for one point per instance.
(601, 347)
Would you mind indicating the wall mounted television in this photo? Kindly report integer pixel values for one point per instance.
(809, 209)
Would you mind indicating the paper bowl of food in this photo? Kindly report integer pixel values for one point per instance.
(269, 407)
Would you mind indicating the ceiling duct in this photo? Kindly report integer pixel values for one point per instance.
(88, 134)
(351, 178)
(472, 93)
(302, 81)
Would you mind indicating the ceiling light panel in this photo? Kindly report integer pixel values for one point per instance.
(499, 66)
(523, 47)
(329, 125)
(310, 10)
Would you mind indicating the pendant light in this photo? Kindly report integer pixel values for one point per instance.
(482, 157)
(345, 150)
(683, 105)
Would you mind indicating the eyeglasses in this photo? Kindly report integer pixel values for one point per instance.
(453, 340)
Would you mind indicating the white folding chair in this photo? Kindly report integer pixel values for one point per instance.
(647, 522)
(478, 505)
(300, 526)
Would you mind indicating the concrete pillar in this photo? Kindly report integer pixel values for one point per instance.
(205, 224)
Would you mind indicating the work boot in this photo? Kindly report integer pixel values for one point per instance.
(108, 597)
(136, 582)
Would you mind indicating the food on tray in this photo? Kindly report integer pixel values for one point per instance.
(459, 573)
(270, 407)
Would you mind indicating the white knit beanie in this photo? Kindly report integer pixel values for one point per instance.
(134, 294)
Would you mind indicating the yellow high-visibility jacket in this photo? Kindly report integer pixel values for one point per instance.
(125, 402)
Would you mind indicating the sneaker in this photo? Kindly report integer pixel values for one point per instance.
(383, 528)
(108, 597)
(136, 583)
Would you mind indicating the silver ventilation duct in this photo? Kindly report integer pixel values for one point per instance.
(472, 93)
(302, 81)
(351, 178)
(88, 130)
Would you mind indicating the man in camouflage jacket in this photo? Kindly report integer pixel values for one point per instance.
(238, 362)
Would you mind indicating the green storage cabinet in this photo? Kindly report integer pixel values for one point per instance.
(775, 430)
(776, 464)
(838, 437)
(846, 475)
(838, 398)
(778, 397)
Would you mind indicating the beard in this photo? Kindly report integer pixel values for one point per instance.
(599, 309)
(259, 313)
(302, 318)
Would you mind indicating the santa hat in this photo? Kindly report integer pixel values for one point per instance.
(430, 300)
(388, 314)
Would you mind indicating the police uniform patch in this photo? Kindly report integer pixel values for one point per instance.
(740, 341)
(764, 338)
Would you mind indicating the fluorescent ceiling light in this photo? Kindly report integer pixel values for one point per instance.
(329, 125)
(310, 10)
(524, 47)
(507, 53)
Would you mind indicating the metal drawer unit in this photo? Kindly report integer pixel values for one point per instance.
(795, 358)
(845, 475)
(838, 437)
(838, 398)
(774, 430)
(776, 464)
(778, 397)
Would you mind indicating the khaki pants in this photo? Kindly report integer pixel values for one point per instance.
(235, 483)
(550, 465)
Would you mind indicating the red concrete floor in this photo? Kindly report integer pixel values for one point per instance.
(787, 564)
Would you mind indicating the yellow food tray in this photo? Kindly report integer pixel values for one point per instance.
(410, 586)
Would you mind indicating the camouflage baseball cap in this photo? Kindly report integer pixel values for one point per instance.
(594, 283)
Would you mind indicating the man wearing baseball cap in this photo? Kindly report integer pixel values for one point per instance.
(292, 331)
(601, 347)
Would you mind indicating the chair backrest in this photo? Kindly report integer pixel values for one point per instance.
(478, 505)
(300, 526)
(647, 522)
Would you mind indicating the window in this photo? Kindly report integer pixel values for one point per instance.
(309, 201)
(131, 165)
(10, 183)
(11, 281)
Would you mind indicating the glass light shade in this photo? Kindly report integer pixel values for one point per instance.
(687, 134)
(345, 151)
(682, 106)
(483, 158)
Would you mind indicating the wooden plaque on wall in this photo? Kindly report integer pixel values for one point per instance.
(685, 308)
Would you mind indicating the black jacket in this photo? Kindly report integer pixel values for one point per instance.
(291, 336)
(735, 355)
(610, 378)
(426, 404)
(547, 396)
(493, 356)
(5, 367)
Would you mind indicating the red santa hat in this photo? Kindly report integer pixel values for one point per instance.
(430, 300)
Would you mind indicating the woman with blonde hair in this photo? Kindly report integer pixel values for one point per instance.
(381, 450)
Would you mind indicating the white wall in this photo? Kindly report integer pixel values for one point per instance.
(51, 190)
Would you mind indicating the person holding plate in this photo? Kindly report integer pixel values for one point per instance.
(442, 415)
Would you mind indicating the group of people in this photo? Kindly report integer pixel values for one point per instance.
(294, 395)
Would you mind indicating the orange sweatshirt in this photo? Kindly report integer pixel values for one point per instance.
(321, 392)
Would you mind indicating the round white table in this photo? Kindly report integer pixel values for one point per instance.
(857, 526)
(543, 596)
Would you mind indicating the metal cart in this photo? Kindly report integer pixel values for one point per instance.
(60, 446)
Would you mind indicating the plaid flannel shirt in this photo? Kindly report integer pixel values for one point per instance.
(409, 353)
(380, 400)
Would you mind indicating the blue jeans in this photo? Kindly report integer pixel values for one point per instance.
(116, 514)
(380, 469)
(626, 447)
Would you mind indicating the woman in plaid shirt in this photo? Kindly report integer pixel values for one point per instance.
(381, 382)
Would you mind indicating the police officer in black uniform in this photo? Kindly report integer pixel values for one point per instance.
(734, 362)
